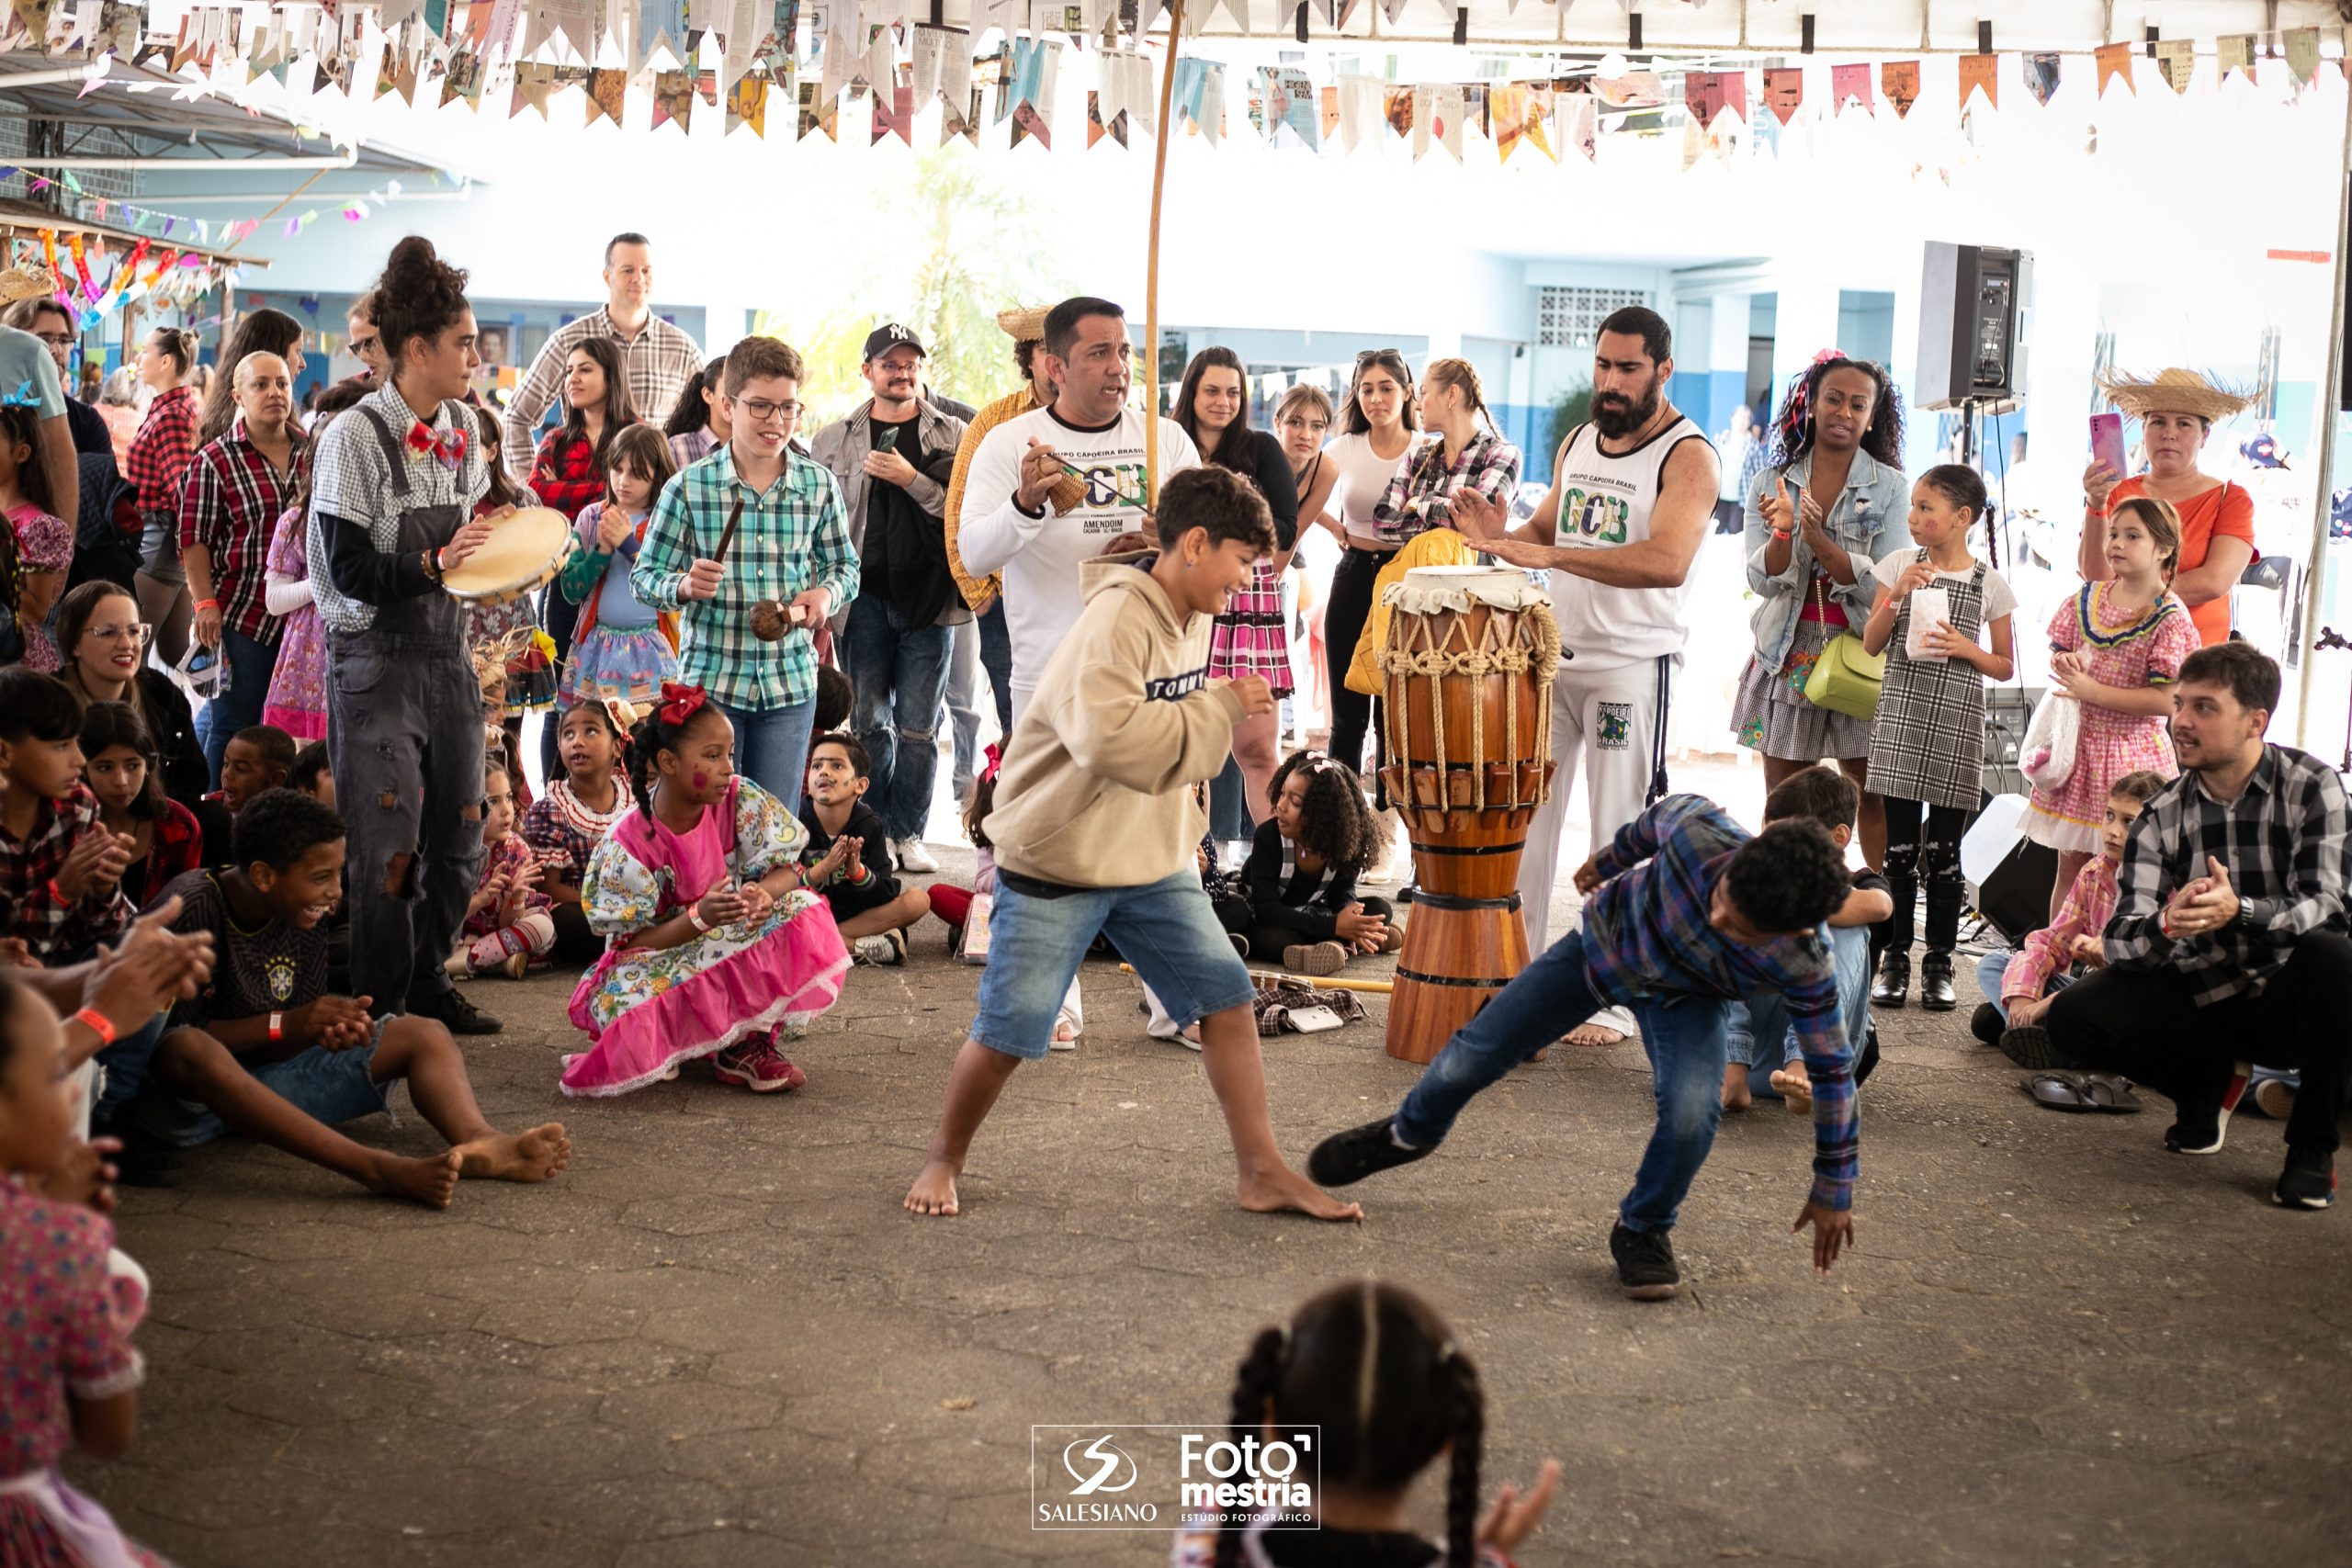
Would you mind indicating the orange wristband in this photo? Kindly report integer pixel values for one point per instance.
(97, 1024)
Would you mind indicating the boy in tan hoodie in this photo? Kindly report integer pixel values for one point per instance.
(1094, 830)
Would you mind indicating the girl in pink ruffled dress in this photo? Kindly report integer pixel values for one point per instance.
(69, 1376)
(716, 947)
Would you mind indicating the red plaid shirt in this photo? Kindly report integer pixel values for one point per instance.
(565, 473)
(228, 503)
(29, 907)
(160, 451)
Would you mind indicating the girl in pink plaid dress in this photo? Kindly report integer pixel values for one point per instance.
(1249, 639)
(2116, 646)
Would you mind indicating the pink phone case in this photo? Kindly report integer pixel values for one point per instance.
(2107, 444)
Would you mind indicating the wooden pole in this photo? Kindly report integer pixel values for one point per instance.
(2323, 465)
(1151, 261)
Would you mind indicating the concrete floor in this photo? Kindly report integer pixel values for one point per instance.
(718, 1341)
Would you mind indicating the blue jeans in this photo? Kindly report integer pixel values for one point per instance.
(996, 657)
(1989, 970)
(1755, 1024)
(963, 716)
(251, 664)
(772, 747)
(126, 1062)
(1683, 1034)
(900, 673)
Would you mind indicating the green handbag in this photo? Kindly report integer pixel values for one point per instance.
(1845, 679)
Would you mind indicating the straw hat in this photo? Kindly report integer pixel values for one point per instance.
(33, 282)
(2173, 392)
(1023, 323)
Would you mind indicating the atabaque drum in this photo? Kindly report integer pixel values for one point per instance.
(1466, 686)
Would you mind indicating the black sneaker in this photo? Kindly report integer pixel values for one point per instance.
(1645, 1263)
(1240, 944)
(2198, 1131)
(1892, 985)
(1936, 994)
(2029, 1047)
(1987, 1024)
(1359, 1152)
(451, 1008)
(2309, 1181)
(1866, 1063)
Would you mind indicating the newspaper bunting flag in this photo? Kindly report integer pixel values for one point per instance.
(2301, 47)
(1977, 75)
(1850, 84)
(2234, 52)
(2176, 61)
(748, 105)
(2114, 63)
(1899, 81)
(1784, 91)
(2041, 76)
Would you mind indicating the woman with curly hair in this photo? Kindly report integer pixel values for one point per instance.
(1304, 861)
(1831, 501)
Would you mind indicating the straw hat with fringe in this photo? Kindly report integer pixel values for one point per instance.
(34, 282)
(1023, 323)
(2173, 392)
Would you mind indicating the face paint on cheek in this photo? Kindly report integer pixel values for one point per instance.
(701, 781)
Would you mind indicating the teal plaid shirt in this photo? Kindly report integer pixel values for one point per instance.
(793, 538)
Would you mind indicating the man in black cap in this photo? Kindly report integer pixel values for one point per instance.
(893, 456)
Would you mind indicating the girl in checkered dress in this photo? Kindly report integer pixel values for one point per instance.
(1927, 737)
(1249, 639)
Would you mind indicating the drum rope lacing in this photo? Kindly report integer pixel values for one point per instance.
(1457, 657)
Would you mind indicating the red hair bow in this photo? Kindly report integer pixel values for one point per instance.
(680, 704)
(995, 756)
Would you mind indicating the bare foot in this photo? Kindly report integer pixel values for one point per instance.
(935, 1191)
(1283, 1189)
(1796, 1091)
(534, 1155)
(1595, 1034)
(431, 1182)
(1736, 1092)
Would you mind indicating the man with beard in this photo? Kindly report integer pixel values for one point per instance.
(1633, 494)
(2229, 931)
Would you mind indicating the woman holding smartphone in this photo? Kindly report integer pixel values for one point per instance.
(2176, 412)
(1817, 518)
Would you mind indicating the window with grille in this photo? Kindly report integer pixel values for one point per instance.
(112, 185)
(1569, 317)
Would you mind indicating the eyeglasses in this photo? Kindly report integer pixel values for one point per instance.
(56, 340)
(761, 411)
(138, 632)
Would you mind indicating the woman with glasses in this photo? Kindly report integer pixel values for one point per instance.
(1377, 433)
(104, 645)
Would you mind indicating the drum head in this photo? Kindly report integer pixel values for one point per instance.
(521, 548)
(1426, 590)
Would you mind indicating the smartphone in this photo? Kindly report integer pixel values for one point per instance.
(2107, 444)
(886, 438)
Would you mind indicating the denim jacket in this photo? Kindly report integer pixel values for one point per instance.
(1866, 520)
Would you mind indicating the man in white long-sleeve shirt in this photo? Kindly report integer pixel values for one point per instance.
(1009, 523)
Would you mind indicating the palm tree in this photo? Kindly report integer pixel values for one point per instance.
(958, 255)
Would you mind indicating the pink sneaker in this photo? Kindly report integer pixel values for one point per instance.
(757, 1066)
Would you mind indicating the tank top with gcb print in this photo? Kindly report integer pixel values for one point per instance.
(1608, 500)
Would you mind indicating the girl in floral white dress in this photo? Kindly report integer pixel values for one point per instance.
(2116, 647)
(716, 949)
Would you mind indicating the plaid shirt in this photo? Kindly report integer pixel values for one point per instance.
(2090, 903)
(351, 479)
(1415, 500)
(659, 363)
(565, 475)
(228, 505)
(793, 537)
(2284, 843)
(1646, 932)
(160, 453)
(55, 930)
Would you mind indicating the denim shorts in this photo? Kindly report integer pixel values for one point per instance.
(1166, 929)
(329, 1087)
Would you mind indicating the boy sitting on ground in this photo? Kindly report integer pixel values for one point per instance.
(848, 856)
(259, 757)
(1829, 799)
(265, 1050)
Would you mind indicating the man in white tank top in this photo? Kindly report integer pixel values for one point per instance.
(1632, 494)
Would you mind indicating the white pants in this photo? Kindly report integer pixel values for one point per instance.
(1605, 720)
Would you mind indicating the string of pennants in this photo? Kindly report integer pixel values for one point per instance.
(95, 282)
(492, 54)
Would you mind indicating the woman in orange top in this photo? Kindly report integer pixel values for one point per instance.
(2176, 412)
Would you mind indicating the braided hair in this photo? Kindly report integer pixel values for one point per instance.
(1792, 426)
(1335, 821)
(1376, 1368)
(648, 739)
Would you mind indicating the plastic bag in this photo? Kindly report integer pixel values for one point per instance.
(2047, 755)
